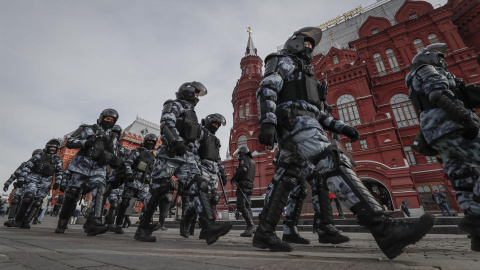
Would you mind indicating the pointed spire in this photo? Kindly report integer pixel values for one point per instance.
(250, 47)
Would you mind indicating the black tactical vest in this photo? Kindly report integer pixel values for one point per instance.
(209, 147)
(101, 141)
(188, 126)
(144, 163)
(304, 86)
(45, 166)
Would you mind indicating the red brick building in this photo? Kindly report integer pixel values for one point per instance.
(364, 56)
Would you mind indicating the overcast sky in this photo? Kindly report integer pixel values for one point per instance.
(63, 62)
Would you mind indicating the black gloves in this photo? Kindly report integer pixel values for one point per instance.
(19, 183)
(268, 134)
(89, 143)
(55, 186)
(224, 179)
(5, 187)
(179, 147)
(471, 130)
(63, 187)
(351, 133)
(129, 177)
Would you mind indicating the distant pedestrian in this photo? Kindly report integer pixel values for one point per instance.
(405, 208)
(439, 198)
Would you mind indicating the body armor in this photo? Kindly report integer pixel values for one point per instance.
(245, 179)
(45, 166)
(144, 163)
(304, 86)
(188, 126)
(209, 147)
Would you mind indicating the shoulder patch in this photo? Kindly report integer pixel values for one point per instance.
(426, 71)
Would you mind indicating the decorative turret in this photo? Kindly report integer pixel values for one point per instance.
(245, 116)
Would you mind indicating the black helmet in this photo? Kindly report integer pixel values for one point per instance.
(242, 151)
(107, 113)
(213, 118)
(36, 152)
(147, 141)
(117, 129)
(52, 143)
(296, 43)
(433, 54)
(187, 91)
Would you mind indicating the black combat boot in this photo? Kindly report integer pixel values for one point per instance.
(192, 223)
(110, 217)
(471, 224)
(69, 205)
(293, 236)
(392, 236)
(22, 211)
(265, 236)
(144, 230)
(122, 208)
(211, 230)
(33, 212)
(13, 210)
(328, 234)
(250, 228)
(96, 225)
(183, 226)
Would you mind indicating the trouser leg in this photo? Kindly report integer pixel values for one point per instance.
(27, 201)
(292, 215)
(69, 202)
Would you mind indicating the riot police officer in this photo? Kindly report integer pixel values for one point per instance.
(211, 168)
(138, 169)
(323, 217)
(243, 178)
(114, 180)
(18, 194)
(176, 157)
(449, 127)
(97, 144)
(288, 102)
(38, 175)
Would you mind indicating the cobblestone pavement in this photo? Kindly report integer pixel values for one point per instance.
(40, 248)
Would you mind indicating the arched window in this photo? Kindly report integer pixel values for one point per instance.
(242, 141)
(432, 38)
(418, 45)
(347, 109)
(247, 111)
(392, 60)
(247, 70)
(403, 110)
(240, 112)
(335, 60)
(379, 63)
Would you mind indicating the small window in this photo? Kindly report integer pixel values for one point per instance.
(242, 141)
(410, 157)
(240, 112)
(348, 146)
(374, 31)
(247, 70)
(335, 60)
(432, 38)
(413, 16)
(392, 60)
(418, 45)
(363, 144)
(431, 159)
(379, 63)
(247, 111)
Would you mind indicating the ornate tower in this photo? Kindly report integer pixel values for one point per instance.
(245, 116)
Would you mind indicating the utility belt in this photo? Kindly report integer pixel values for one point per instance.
(287, 117)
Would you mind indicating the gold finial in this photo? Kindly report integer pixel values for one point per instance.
(249, 30)
(331, 35)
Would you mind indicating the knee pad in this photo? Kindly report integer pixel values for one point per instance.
(114, 204)
(28, 198)
(201, 182)
(289, 181)
(16, 199)
(73, 191)
(37, 202)
(125, 202)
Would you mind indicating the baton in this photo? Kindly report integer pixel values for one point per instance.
(223, 190)
(241, 191)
